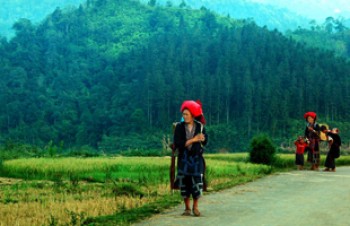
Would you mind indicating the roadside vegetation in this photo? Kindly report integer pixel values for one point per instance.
(110, 190)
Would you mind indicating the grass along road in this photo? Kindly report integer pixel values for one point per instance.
(101, 190)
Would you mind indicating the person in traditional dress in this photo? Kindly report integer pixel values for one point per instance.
(299, 152)
(334, 151)
(190, 137)
(312, 132)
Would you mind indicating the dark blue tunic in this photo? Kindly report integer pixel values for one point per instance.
(190, 167)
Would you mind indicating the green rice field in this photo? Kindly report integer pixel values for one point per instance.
(109, 190)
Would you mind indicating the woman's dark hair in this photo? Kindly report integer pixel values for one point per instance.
(200, 119)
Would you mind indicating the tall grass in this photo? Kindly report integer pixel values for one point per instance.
(91, 169)
(63, 191)
(125, 184)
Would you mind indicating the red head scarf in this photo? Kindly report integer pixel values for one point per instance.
(311, 114)
(195, 107)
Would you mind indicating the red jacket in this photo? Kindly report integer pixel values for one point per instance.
(300, 147)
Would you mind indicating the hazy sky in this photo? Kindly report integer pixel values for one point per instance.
(316, 9)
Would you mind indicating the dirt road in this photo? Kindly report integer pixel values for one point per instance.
(295, 198)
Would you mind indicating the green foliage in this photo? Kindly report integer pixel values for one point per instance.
(53, 221)
(143, 152)
(262, 14)
(89, 169)
(51, 149)
(76, 218)
(111, 76)
(120, 189)
(262, 150)
(1, 165)
(224, 138)
(332, 35)
(83, 151)
(134, 144)
(284, 161)
(131, 176)
(12, 150)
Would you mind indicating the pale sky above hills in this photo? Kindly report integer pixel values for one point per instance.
(315, 9)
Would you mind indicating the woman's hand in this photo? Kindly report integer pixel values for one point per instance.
(199, 137)
(311, 129)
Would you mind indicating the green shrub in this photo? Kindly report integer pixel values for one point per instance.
(14, 150)
(262, 150)
(1, 165)
(83, 151)
(134, 141)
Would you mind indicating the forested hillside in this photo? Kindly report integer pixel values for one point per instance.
(273, 17)
(113, 74)
(333, 35)
(264, 15)
(321, 27)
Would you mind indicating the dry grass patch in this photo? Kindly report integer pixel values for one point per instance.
(25, 204)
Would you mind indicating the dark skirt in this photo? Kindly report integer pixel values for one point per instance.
(190, 172)
(330, 160)
(190, 165)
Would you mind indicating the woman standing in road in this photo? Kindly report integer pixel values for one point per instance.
(189, 138)
(334, 151)
(312, 132)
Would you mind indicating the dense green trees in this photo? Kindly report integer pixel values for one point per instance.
(333, 35)
(113, 74)
(262, 14)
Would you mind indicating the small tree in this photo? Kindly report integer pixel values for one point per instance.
(262, 150)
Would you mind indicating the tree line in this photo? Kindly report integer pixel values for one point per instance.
(333, 35)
